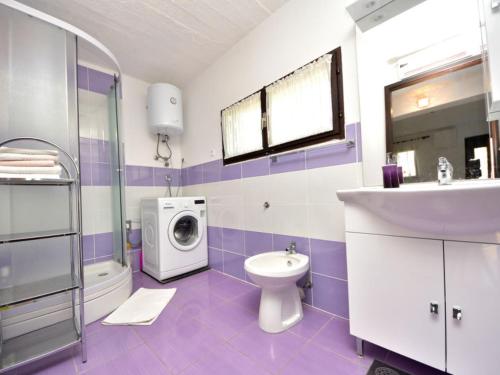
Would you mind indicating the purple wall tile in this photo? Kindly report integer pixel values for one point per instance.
(233, 240)
(257, 242)
(281, 242)
(100, 151)
(212, 171)
(215, 259)
(85, 150)
(88, 246)
(350, 131)
(326, 156)
(231, 172)
(329, 258)
(85, 173)
(192, 175)
(161, 173)
(254, 168)
(330, 295)
(82, 77)
(214, 235)
(101, 174)
(359, 143)
(294, 161)
(139, 176)
(234, 265)
(103, 244)
(100, 82)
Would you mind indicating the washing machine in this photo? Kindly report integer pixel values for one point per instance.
(174, 236)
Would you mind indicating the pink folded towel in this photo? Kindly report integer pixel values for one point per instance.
(27, 151)
(27, 163)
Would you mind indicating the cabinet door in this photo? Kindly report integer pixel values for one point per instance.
(392, 282)
(473, 285)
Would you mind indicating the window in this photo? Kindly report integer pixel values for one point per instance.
(406, 159)
(303, 108)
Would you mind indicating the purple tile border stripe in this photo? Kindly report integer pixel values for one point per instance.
(228, 248)
(94, 80)
(316, 157)
(96, 168)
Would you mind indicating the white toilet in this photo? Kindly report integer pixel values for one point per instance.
(277, 273)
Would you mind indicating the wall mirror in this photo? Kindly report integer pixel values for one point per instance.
(442, 113)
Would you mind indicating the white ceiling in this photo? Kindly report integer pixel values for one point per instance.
(162, 40)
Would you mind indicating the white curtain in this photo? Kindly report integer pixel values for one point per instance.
(300, 105)
(241, 127)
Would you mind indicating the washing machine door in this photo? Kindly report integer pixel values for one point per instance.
(185, 230)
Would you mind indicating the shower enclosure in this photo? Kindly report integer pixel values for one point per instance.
(62, 243)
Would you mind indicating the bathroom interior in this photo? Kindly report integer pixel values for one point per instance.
(275, 187)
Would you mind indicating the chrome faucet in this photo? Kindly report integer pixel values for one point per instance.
(444, 171)
(292, 248)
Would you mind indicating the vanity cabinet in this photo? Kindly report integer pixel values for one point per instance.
(473, 287)
(435, 301)
(392, 283)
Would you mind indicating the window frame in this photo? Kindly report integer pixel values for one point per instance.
(338, 128)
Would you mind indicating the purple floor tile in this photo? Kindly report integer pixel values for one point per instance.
(335, 337)
(231, 288)
(58, 364)
(312, 322)
(139, 360)
(250, 300)
(226, 361)
(272, 351)
(185, 344)
(227, 320)
(257, 242)
(331, 295)
(329, 258)
(317, 361)
(108, 343)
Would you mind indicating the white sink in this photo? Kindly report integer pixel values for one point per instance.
(465, 207)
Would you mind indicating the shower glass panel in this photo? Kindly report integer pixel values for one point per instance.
(102, 211)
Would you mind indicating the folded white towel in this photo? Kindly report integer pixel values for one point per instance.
(28, 163)
(27, 151)
(9, 156)
(31, 170)
(30, 176)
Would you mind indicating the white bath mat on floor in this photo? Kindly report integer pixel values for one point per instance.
(142, 307)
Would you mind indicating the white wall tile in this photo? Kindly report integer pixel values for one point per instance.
(326, 221)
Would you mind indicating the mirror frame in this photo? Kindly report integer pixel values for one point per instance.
(441, 71)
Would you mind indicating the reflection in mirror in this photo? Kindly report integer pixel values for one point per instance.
(442, 113)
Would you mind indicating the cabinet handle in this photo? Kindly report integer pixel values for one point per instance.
(457, 312)
(434, 308)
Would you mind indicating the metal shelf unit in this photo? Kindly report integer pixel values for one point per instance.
(29, 347)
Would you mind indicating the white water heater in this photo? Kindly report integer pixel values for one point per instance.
(165, 109)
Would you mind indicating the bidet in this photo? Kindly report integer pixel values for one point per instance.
(277, 273)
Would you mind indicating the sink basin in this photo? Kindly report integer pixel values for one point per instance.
(465, 207)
